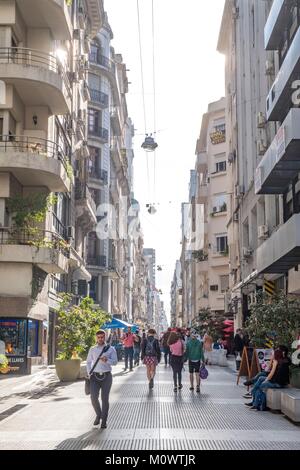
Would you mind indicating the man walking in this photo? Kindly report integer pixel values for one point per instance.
(165, 347)
(128, 343)
(238, 347)
(137, 348)
(101, 378)
(194, 354)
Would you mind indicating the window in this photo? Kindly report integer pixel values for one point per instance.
(214, 288)
(33, 338)
(94, 120)
(220, 166)
(94, 163)
(13, 334)
(222, 243)
(224, 282)
(220, 203)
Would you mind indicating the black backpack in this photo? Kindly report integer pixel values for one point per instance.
(150, 349)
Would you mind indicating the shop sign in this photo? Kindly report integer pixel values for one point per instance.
(17, 365)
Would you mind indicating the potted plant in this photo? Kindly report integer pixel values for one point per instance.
(4, 367)
(77, 325)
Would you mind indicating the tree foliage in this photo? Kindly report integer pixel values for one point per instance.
(77, 326)
(277, 316)
(212, 323)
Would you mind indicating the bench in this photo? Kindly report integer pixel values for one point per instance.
(274, 398)
(290, 404)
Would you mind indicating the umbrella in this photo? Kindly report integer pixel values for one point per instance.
(117, 323)
(228, 322)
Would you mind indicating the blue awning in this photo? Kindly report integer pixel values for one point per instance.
(117, 323)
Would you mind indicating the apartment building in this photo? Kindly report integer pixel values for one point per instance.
(110, 133)
(176, 297)
(254, 214)
(43, 83)
(210, 260)
(150, 264)
(277, 172)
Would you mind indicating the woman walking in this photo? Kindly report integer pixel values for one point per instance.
(177, 348)
(150, 355)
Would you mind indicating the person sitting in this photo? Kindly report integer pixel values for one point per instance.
(278, 377)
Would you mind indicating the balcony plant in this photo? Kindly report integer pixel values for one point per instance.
(76, 328)
(200, 255)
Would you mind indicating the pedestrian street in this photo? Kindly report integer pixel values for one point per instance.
(60, 416)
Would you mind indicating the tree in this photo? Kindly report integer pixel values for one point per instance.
(77, 326)
(277, 316)
(211, 322)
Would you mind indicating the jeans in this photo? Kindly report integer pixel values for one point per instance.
(167, 356)
(104, 386)
(136, 355)
(129, 354)
(261, 374)
(262, 384)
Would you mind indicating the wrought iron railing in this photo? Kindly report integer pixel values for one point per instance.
(59, 226)
(99, 132)
(99, 260)
(99, 59)
(34, 58)
(33, 145)
(34, 237)
(99, 97)
(99, 173)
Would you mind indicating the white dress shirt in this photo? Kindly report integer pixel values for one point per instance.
(101, 367)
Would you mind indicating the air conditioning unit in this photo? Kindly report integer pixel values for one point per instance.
(261, 120)
(247, 252)
(261, 147)
(263, 232)
(86, 44)
(235, 13)
(270, 69)
(71, 232)
(231, 157)
(81, 17)
(239, 191)
(76, 34)
(86, 91)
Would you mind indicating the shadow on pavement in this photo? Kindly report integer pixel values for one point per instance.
(80, 442)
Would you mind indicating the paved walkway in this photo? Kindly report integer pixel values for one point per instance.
(60, 416)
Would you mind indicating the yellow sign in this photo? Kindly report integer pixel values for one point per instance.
(269, 287)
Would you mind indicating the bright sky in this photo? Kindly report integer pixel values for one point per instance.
(189, 74)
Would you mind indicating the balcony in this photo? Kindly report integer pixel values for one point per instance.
(85, 207)
(279, 99)
(276, 24)
(35, 162)
(98, 174)
(98, 261)
(99, 98)
(42, 248)
(96, 15)
(281, 163)
(115, 121)
(39, 78)
(99, 133)
(202, 162)
(108, 69)
(281, 251)
(115, 152)
(52, 14)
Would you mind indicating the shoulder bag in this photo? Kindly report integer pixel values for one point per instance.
(87, 385)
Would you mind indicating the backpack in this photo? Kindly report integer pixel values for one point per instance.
(150, 349)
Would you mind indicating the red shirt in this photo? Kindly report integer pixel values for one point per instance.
(128, 340)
